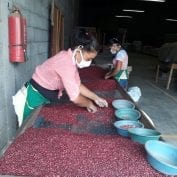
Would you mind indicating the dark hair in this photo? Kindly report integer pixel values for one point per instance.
(85, 39)
(114, 41)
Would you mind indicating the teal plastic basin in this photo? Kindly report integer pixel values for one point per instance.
(127, 114)
(142, 135)
(122, 103)
(162, 156)
(122, 126)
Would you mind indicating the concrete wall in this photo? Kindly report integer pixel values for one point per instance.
(13, 75)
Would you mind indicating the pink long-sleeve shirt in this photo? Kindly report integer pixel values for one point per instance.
(58, 73)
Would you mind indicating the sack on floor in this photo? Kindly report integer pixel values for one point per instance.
(135, 93)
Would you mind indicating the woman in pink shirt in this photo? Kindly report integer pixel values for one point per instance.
(60, 73)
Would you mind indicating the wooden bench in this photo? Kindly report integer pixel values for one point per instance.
(171, 67)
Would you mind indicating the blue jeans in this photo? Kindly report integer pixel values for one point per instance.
(123, 83)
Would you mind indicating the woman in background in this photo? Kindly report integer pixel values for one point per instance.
(120, 64)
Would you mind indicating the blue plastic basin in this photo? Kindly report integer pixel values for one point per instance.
(142, 135)
(122, 103)
(127, 114)
(122, 126)
(162, 156)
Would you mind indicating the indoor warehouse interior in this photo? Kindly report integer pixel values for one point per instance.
(65, 109)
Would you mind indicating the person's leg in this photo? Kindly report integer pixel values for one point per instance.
(124, 83)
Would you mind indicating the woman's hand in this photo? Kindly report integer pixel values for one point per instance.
(91, 108)
(107, 75)
(92, 96)
(98, 101)
(101, 102)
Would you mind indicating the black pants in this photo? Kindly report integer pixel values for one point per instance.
(51, 95)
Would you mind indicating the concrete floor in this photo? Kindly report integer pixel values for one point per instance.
(158, 103)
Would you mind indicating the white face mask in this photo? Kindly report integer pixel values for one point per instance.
(83, 63)
(113, 51)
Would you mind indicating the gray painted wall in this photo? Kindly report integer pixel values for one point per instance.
(13, 75)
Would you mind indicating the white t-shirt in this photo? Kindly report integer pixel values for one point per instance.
(123, 57)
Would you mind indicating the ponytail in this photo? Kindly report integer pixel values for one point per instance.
(85, 39)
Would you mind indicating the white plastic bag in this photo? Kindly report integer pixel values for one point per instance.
(19, 100)
(135, 93)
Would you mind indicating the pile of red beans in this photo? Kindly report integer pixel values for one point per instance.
(78, 143)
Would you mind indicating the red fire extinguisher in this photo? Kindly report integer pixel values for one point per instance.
(17, 36)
